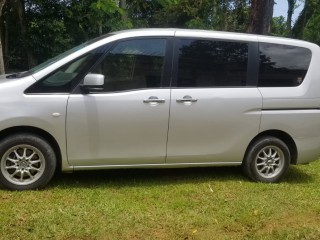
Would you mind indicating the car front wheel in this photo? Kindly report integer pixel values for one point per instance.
(267, 160)
(27, 162)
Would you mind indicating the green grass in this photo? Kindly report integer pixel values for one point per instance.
(198, 203)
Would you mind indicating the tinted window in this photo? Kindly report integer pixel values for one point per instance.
(65, 78)
(133, 64)
(282, 65)
(204, 63)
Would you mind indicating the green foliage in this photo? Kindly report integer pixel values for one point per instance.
(205, 14)
(53, 26)
(56, 38)
(311, 31)
(56, 25)
(105, 6)
(279, 27)
(102, 11)
(198, 203)
(46, 29)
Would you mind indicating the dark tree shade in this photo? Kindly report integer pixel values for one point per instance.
(261, 16)
(291, 4)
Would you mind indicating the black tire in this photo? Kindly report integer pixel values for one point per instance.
(261, 162)
(27, 162)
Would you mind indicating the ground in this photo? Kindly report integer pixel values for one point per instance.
(197, 203)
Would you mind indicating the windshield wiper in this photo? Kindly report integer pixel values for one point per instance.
(15, 75)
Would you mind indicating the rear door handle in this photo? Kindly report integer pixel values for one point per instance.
(186, 98)
(154, 99)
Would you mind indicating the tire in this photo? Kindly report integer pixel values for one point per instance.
(267, 160)
(27, 162)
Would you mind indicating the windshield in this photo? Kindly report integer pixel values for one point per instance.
(56, 58)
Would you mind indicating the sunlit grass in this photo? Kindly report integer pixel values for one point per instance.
(198, 203)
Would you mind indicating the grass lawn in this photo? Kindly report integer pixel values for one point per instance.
(197, 203)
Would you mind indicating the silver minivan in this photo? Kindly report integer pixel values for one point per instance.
(163, 98)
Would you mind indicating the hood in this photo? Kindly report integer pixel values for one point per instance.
(9, 80)
(6, 78)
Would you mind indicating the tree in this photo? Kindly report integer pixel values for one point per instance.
(2, 70)
(261, 16)
(46, 29)
(40, 29)
(23, 29)
(307, 26)
(241, 15)
(143, 13)
(291, 6)
(279, 26)
(123, 6)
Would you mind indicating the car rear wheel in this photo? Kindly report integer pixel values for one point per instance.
(27, 162)
(267, 160)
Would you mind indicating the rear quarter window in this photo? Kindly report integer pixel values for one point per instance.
(282, 65)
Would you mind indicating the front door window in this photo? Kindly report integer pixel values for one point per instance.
(133, 64)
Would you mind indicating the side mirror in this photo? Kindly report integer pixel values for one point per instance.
(92, 82)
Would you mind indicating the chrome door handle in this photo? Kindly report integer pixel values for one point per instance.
(154, 99)
(186, 98)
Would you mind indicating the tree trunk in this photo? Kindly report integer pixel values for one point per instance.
(225, 16)
(100, 28)
(23, 27)
(6, 43)
(261, 16)
(123, 6)
(305, 15)
(291, 4)
(214, 11)
(240, 14)
(2, 71)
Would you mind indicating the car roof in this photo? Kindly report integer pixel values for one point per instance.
(199, 33)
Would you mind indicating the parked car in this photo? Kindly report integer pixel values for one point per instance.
(163, 98)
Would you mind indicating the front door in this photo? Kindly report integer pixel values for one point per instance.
(127, 122)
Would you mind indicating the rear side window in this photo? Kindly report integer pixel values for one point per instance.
(211, 63)
(282, 65)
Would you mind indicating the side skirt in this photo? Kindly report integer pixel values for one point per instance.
(165, 165)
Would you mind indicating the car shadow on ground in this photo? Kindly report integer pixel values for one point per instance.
(151, 177)
(296, 175)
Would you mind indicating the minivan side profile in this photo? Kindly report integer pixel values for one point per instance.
(152, 98)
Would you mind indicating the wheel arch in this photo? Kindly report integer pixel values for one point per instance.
(283, 136)
(35, 131)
